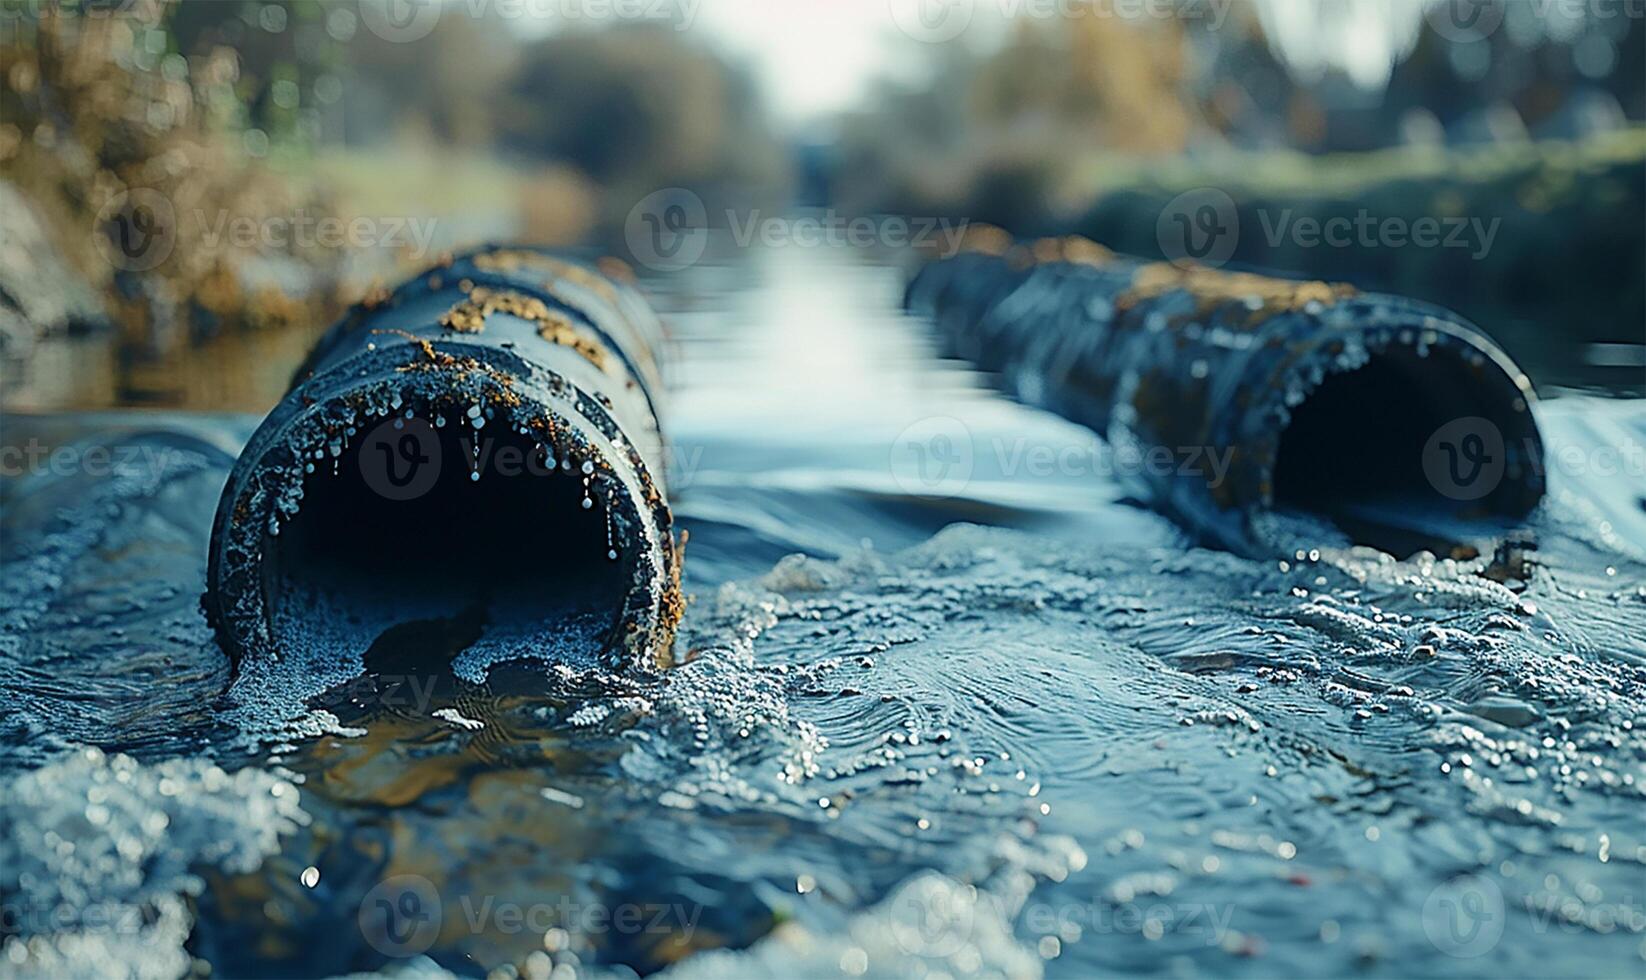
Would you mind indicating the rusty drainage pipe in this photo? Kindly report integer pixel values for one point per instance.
(1232, 399)
(487, 431)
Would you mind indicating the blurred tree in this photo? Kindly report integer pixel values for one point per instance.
(289, 55)
(1021, 135)
(444, 86)
(1100, 78)
(636, 108)
(1567, 72)
(995, 136)
(114, 135)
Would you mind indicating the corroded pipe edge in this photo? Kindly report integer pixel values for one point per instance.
(1353, 332)
(966, 293)
(570, 296)
(427, 376)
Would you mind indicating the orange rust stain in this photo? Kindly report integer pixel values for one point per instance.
(1214, 287)
(1075, 249)
(986, 239)
(469, 316)
(560, 330)
(615, 268)
(376, 295)
(673, 604)
(518, 260)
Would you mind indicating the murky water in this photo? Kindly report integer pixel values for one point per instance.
(1051, 740)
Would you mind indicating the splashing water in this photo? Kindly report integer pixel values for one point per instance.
(1064, 744)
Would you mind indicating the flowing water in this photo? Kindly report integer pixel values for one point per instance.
(948, 704)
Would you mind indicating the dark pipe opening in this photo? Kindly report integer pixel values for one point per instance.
(515, 549)
(1358, 450)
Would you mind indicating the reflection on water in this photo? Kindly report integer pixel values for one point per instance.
(1064, 744)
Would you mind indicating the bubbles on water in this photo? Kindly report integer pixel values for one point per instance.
(105, 850)
(1359, 730)
(1308, 681)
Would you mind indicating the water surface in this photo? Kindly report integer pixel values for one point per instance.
(947, 704)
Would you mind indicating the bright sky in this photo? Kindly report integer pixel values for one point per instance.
(814, 57)
(1361, 37)
(810, 57)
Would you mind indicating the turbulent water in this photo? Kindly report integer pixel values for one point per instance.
(948, 704)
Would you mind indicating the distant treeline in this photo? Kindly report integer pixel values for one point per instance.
(1541, 244)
